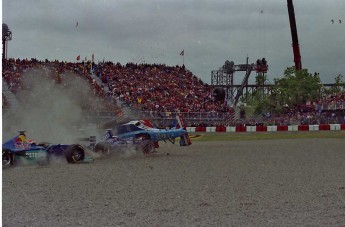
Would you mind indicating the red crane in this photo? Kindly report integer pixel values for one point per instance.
(295, 45)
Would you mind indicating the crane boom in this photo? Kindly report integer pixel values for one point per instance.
(295, 45)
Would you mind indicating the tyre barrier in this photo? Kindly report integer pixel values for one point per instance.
(271, 128)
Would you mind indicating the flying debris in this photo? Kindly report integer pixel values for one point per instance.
(338, 21)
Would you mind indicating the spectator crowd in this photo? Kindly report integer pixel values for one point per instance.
(157, 88)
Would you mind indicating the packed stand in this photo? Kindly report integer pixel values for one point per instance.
(158, 88)
(15, 69)
(160, 91)
(331, 102)
(309, 114)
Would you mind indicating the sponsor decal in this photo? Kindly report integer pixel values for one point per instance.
(36, 155)
(21, 143)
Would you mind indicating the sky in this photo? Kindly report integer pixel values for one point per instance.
(156, 31)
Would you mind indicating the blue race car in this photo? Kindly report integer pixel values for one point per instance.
(20, 148)
(143, 136)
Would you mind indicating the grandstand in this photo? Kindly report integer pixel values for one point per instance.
(157, 92)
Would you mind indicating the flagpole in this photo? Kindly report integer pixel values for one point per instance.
(182, 53)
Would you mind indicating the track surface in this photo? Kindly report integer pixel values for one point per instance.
(249, 183)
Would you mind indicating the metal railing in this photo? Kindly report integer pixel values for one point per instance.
(165, 117)
(331, 106)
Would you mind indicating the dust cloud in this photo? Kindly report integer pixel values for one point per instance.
(51, 111)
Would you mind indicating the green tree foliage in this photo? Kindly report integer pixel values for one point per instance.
(294, 89)
(297, 87)
(338, 86)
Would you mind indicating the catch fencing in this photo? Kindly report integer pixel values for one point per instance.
(272, 128)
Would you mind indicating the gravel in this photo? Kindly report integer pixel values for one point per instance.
(298, 182)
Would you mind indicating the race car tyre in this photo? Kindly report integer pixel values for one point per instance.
(7, 158)
(99, 148)
(74, 154)
(103, 147)
(106, 149)
(148, 147)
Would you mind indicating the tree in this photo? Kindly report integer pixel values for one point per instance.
(296, 88)
(338, 87)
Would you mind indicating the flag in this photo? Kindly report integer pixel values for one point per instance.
(78, 58)
(182, 53)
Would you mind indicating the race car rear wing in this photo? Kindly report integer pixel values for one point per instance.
(184, 139)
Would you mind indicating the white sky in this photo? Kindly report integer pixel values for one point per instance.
(210, 32)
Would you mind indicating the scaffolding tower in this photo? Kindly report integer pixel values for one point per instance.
(6, 36)
(224, 77)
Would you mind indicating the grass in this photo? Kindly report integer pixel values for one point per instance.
(204, 137)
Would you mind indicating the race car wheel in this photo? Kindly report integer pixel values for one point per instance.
(74, 154)
(98, 148)
(106, 149)
(148, 147)
(7, 158)
(103, 147)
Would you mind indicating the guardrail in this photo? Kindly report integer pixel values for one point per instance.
(210, 118)
(331, 106)
(272, 128)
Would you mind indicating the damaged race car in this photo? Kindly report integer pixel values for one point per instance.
(142, 135)
(20, 149)
(110, 142)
